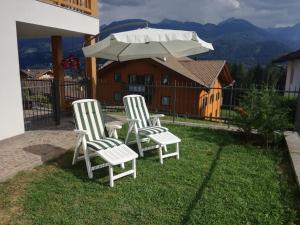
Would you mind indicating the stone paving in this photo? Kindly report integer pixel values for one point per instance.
(33, 148)
(293, 143)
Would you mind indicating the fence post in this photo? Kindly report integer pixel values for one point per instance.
(174, 103)
(55, 101)
(230, 107)
(297, 116)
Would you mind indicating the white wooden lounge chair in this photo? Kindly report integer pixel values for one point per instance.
(92, 136)
(146, 128)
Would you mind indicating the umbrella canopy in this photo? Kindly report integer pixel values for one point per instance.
(148, 43)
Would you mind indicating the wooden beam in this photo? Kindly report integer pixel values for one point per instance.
(91, 68)
(58, 71)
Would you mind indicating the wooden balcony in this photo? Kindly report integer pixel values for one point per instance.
(88, 7)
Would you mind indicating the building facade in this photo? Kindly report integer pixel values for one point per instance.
(37, 19)
(292, 81)
(185, 86)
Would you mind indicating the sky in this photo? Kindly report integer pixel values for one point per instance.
(263, 13)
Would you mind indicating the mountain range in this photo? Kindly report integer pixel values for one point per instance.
(235, 40)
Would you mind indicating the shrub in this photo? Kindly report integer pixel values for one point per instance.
(262, 112)
(289, 103)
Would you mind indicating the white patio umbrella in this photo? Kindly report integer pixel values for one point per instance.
(148, 43)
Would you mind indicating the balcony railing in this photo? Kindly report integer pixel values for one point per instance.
(88, 7)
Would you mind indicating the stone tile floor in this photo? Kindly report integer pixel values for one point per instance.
(41, 144)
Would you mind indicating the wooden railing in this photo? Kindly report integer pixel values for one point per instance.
(88, 7)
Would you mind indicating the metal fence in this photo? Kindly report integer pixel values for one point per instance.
(38, 101)
(42, 99)
(184, 100)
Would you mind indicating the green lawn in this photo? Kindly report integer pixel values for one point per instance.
(218, 180)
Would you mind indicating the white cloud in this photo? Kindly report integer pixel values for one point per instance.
(265, 13)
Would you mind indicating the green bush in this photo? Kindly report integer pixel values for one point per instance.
(289, 103)
(262, 111)
(40, 98)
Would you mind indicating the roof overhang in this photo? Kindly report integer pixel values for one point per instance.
(27, 30)
(288, 57)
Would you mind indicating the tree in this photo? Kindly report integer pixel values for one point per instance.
(238, 72)
(261, 111)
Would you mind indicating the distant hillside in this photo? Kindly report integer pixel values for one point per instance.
(235, 40)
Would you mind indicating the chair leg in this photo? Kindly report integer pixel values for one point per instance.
(134, 168)
(111, 176)
(88, 162)
(165, 148)
(127, 137)
(177, 150)
(123, 166)
(160, 155)
(76, 152)
(139, 144)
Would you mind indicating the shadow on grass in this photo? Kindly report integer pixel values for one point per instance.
(199, 194)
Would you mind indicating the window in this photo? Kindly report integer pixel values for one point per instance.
(216, 113)
(204, 102)
(218, 96)
(117, 76)
(141, 84)
(165, 100)
(211, 100)
(165, 79)
(117, 97)
(140, 79)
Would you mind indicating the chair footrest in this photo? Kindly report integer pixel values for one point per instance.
(165, 138)
(120, 175)
(170, 155)
(118, 155)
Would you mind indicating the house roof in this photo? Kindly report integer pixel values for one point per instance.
(206, 70)
(176, 65)
(37, 73)
(203, 72)
(288, 57)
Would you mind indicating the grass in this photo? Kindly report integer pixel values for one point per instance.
(218, 180)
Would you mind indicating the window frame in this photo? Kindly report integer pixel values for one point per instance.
(204, 102)
(211, 99)
(161, 100)
(168, 79)
(218, 96)
(115, 99)
(119, 75)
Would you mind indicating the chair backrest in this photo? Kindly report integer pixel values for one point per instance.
(136, 108)
(88, 117)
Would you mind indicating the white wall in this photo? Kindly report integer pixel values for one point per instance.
(293, 76)
(38, 13)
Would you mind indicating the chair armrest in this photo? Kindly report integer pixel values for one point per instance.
(113, 126)
(112, 130)
(81, 132)
(157, 116)
(155, 119)
(133, 120)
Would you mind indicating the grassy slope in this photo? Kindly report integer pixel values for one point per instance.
(218, 180)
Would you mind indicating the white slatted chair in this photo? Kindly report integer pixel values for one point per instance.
(146, 128)
(91, 132)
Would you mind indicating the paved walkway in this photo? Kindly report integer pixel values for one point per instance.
(35, 147)
(293, 143)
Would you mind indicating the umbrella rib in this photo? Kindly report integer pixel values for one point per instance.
(118, 56)
(165, 48)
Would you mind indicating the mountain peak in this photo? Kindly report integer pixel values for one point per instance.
(168, 21)
(234, 20)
